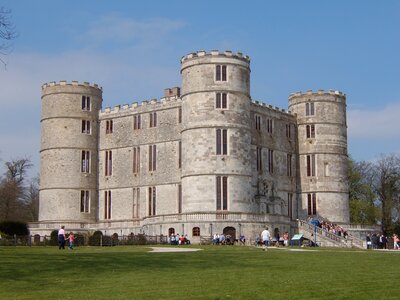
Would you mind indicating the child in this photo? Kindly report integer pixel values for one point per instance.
(71, 239)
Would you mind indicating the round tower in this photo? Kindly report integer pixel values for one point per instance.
(69, 152)
(216, 170)
(322, 146)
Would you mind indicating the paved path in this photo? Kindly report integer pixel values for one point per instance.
(172, 249)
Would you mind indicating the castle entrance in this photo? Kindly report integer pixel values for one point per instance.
(230, 234)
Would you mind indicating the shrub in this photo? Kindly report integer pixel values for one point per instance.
(11, 228)
(94, 240)
(54, 238)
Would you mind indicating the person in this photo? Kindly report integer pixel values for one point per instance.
(265, 236)
(369, 243)
(172, 239)
(242, 239)
(286, 239)
(396, 242)
(61, 238)
(71, 239)
(215, 240)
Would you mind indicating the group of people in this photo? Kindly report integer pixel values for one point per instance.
(328, 226)
(266, 239)
(62, 238)
(380, 241)
(179, 239)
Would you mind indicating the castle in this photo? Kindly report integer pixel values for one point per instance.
(204, 159)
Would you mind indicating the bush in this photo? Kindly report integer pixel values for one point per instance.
(10, 228)
(54, 238)
(94, 240)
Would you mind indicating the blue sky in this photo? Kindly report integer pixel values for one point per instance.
(133, 49)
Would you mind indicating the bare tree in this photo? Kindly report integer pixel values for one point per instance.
(32, 200)
(7, 33)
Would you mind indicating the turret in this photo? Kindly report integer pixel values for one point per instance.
(69, 151)
(322, 142)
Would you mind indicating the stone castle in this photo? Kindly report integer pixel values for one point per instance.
(204, 159)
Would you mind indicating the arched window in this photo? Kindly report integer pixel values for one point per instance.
(171, 231)
(196, 231)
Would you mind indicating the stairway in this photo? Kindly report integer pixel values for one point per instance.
(327, 239)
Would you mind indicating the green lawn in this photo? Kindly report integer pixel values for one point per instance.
(216, 272)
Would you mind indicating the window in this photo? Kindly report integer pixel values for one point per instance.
(136, 122)
(86, 103)
(222, 192)
(309, 109)
(290, 205)
(85, 162)
(311, 204)
(108, 163)
(109, 126)
(152, 201)
(179, 198)
(221, 100)
(136, 160)
(107, 205)
(259, 159)
(257, 120)
(86, 127)
(220, 73)
(310, 165)
(270, 161)
(180, 115)
(222, 141)
(289, 165)
(180, 154)
(136, 201)
(153, 119)
(196, 231)
(152, 157)
(269, 126)
(326, 169)
(288, 131)
(85, 201)
(310, 131)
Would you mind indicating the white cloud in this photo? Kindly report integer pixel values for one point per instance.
(378, 124)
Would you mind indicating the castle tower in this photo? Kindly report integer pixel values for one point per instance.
(322, 143)
(69, 152)
(216, 139)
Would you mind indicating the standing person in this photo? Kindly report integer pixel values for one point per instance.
(266, 237)
(396, 242)
(71, 239)
(61, 238)
(286, 239)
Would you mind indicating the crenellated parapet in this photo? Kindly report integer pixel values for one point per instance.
(270, 107)
(216, 53)
(143, 106)
(319, 92)
(72, 83)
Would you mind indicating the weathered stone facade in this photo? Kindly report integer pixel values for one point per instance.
(201, 160)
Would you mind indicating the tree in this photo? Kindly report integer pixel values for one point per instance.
(7, 32)
(386, 184)
(361, 195)
(32, 200)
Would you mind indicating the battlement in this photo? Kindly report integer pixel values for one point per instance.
(136, 106)
(319, 92)
(265, 105)
(72, 83)
(226, 53)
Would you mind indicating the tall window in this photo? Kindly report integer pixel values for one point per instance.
(220, 73)
(152, 201)
(269, 126)
(257, 119)
(310, 131)
(109, 126)
(259, 159)
(196, 231)
(288, 131)
(311, 204)
(221, 100)
(179, 154)
(107, 205)
(86, 127)
(222, 141)
(136, 160)
(85, 162)
(310, 165)
(180, 115)
(136, 122)
(153, 119)
(108, 163)
(179, 198)
(270, 161)
(309, 109)
(290, 205)
(85, 201)
(86, 103)
(289, 165)
(152, 157)
(136, 201)
(222, 192)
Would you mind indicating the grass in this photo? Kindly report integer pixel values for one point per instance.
(217, 272)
